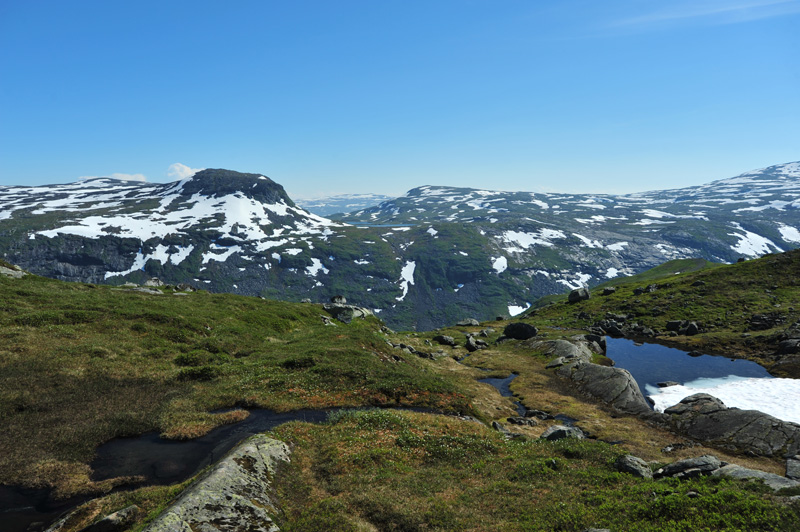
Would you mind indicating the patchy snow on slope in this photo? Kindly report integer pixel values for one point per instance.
(518, 241)
(316, 267)
(514, 310)
(406, 278)
(579, 282)
(611, 273)
(220, 257)
(431, 231)
(619, 246)
(587, 241)
(500, 264)
(752, 244)
(789, 234)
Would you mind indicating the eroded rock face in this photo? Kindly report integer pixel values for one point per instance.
(706, 418)
(234, 495)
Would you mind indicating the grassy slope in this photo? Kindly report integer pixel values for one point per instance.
(81, 364)
(723, 298)
(363, 471)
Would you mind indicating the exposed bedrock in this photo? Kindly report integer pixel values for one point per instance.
(235, 494)
(705, 418)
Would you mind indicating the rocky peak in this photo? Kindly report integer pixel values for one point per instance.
(217, 182)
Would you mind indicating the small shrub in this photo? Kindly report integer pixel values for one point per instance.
(201, 373)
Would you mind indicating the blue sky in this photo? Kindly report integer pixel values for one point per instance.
(382, 96)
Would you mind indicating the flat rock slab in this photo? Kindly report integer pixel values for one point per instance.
(234, 495)
(706, 418)
(772, 480)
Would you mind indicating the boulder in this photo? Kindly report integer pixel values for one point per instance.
(634, 466)
(608, 291)
(444, 340)
(15, 272)
(119, 520)
(772, 480)
(793, 468)
(702, 464)
(520, 331)
(614, 386)
(705, 418)
(339, 300)
(504, 431)
(346, 313)
(471, 345)
(579, 294)
(667, 384)
(469, 322)
(559, 432)
(234, 494)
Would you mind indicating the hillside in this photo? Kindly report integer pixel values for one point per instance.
(82, 364)
(430, 258)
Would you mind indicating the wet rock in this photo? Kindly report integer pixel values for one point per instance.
(634, 466)
(520, 331)
(538, 414)
(524, 421)
(705, 418)
(667, 384)
(235, 494)
(772, 480)
(559, 432)
(579, 294)
(693, 466)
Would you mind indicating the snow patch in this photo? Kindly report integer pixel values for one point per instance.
(406, 278)
(500, 264)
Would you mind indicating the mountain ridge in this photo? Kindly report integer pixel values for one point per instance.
(420, 261)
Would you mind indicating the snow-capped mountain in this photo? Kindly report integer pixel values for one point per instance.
(428, 258)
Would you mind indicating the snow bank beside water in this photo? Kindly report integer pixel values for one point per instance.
(777, 397)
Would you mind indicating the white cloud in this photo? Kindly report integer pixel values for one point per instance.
(181, 171)
(121, 177)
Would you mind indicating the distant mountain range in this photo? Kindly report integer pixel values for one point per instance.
(429, 258)
(341, 203)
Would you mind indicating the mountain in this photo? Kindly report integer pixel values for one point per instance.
(341, 203)
(431, 257)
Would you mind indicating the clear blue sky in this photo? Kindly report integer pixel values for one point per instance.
(384, 95)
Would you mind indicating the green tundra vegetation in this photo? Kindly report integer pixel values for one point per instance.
(82, 364)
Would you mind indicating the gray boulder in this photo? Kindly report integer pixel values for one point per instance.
(520, 331)
(471, 345)
(707, 419)
(559, 432)
(233, 495)
(702, 464)
(614, 386)
(772, 480)
(444, 340)
(346, 313)
(15, 272)
(579, 294)
(469, 322)
(793, 468)
(634, 466)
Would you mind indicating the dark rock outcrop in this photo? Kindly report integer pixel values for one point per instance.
(706, 418)
(690, 467)
(520, 331)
